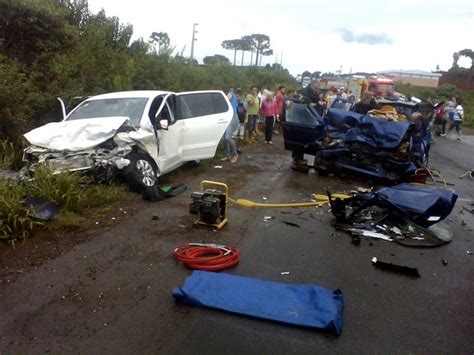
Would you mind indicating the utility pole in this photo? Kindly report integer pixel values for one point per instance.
(192, 42)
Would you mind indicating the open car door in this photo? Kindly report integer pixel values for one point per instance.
(204, 116)
(168, 133)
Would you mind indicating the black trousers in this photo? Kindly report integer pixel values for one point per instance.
(269, 123)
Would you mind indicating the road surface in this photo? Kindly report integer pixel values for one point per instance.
(112, 292)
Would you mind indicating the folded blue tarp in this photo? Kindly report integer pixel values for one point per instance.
(304, 305)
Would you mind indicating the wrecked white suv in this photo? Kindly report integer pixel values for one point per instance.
(140, 134)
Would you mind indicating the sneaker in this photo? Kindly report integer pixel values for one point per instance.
(443, 135)
(459, 139)
(234, 159)
(225, 159)
(266, 142)
(275, 132)
(270, 142)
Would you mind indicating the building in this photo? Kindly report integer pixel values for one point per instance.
(413, 77)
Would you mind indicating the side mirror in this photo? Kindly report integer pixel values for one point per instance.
(164, 124)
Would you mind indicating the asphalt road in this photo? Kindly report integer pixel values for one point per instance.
(112, 294)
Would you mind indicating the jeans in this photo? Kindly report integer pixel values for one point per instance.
(457, 125)
(252, 123)
(269, 123)
(230, 148)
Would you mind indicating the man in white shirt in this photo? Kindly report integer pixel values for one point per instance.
(458, 118)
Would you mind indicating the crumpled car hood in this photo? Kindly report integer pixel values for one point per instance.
(75, 135)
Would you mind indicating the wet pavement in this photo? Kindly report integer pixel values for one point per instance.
(112, 294)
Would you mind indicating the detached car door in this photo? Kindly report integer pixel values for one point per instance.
(205, 116)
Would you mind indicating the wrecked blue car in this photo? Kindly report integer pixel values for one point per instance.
(389, 147)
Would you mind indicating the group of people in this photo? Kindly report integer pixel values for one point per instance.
(257, 111)
(324, 99)
(451, 112)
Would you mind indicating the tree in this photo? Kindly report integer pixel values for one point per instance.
(266, 53)
(247, 45)
(261, 43)
(233, 44)
(216, 60)
(162, 40)
(468, 53)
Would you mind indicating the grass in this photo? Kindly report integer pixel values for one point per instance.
(72, 192)
(8, 155)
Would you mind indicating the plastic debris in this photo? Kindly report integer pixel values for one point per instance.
(291, 224)
(217, 166)
(444, 261)
(409, 271)
(285, 273)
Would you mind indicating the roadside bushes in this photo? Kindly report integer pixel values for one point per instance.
(15, 220)
(69, 190)
(7, 155)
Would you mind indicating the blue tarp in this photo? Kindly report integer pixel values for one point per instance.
(423, 204)
(303, 305)
(354, 127)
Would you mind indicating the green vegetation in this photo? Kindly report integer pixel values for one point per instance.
(68, 52)
(442, 93)
(70, 191)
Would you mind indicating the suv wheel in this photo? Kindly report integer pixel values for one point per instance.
(143, 173)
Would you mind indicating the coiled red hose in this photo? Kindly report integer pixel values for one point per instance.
(210, 257)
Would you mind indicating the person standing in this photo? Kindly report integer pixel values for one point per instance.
(269, 111)
(458, 118)
(230, 148)
(253, 104)
(242, 114)
(311, 92)
(280, 106)
(343, 92)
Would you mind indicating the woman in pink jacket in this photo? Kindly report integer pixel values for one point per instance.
(269, 111)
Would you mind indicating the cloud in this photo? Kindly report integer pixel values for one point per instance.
(366, 38)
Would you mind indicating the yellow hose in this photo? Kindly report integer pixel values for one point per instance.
(319, 200)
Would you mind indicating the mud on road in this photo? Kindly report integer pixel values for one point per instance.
(109, 290)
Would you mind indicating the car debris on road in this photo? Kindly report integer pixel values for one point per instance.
(405, 213)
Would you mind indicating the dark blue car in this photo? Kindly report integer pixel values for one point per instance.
(346, 141)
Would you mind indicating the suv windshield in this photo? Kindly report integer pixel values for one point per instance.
(129, 107)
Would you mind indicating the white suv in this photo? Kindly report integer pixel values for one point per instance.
(142, 134)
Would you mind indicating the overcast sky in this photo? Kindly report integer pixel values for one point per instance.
(310, 34)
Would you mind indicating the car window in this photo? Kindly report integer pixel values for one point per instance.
(129, 107)
(199, 104)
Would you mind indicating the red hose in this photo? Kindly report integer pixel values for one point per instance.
(210, 257)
